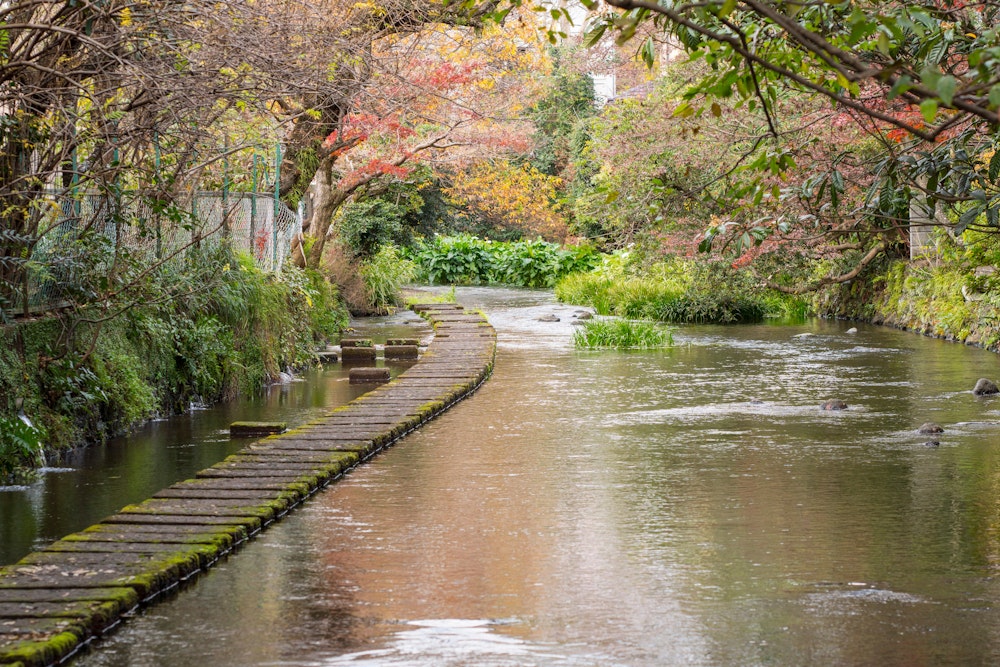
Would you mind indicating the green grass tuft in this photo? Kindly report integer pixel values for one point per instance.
(621, 334)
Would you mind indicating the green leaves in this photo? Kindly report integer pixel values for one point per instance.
(467, 260)
(928, 109)
(994, 170)
(946, 87)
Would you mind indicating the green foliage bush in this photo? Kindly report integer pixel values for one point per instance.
(467, 260)
(384, 275)
(20, 447)
(676, 290)
(367, 225)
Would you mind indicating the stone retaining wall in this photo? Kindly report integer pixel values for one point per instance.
(55, 601)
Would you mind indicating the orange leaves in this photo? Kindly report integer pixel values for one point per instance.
(445, 75)
(374, 167)
(359, 127)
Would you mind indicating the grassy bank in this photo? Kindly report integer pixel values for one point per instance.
(676, 290)
(946, 299)
(205, 329)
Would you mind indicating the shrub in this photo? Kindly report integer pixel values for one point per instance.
(384, 275)
(209, 325)
(680, 291)
(467, 260)
(20, 447)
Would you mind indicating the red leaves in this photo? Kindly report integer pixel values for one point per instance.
(444, 75)
(374, 167)
(359, 127)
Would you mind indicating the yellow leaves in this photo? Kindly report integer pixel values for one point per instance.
(512, 196)
(370, 8)
(125, 17)
(984, 159)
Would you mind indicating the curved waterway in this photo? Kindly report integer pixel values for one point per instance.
(92, 483)
(692, 506)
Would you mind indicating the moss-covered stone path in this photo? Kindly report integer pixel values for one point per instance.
(56, 600)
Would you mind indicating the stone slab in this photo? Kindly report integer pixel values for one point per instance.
(158, 534)
(211, 508)
(246, 429)
(356, 354)
(249, 523)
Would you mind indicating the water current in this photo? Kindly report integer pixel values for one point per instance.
(690, 506)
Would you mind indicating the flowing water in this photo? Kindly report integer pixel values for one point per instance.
(692, 506)
(90, 484)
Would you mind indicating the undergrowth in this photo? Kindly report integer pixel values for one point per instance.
(205, 328)
(678, 291)
(468, 260)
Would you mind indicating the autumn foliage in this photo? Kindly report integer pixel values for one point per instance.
(510, 196)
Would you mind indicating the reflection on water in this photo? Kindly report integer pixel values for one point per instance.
(692, 506)
(95, 482)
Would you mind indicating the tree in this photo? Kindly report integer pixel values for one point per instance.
(923, 79)
(568, 99)
(510, 197)
(410, 79)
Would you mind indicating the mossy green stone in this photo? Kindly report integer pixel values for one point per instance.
(245, 429)
(39, 652)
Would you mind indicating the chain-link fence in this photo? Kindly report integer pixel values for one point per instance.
(150, 232)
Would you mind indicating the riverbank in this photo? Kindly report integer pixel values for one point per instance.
(205, 331)
(54, 601)
(942, 300)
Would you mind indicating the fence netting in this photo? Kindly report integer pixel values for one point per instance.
(150, 232)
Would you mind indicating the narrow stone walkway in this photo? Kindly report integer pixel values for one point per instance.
(54, 601)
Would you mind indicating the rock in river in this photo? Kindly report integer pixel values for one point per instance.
(929, 428)
(984, 386)
(834, 404)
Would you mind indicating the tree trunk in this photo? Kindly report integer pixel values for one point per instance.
(322, 200)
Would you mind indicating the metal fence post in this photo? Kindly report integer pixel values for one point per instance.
(277, 202)
(159, 216)
(225, 191)
(253, 208)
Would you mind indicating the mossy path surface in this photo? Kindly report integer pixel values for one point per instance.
(54, 601)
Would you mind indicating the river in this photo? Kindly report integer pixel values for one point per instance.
(690, 506)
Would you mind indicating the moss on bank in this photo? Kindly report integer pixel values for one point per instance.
(210, 329)
(947, 299)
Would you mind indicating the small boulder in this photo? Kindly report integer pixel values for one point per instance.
(834, 404)
(932, 443)
(803, 335)
(930, 428)
(584, 315)
(852, 330)
(548, 318)
(984, 387)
